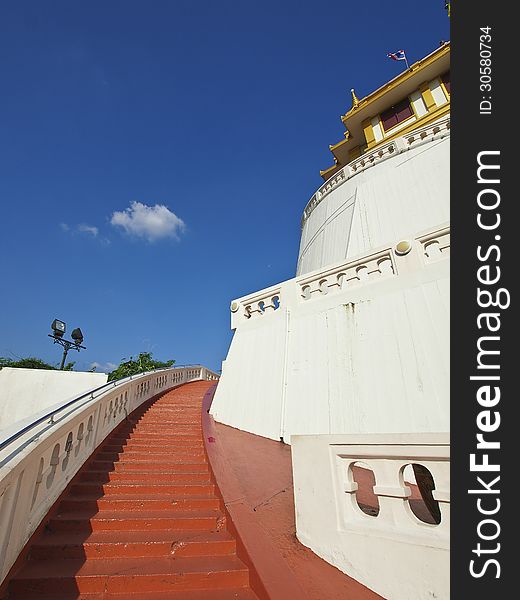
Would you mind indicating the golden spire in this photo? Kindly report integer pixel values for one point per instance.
(355, 99)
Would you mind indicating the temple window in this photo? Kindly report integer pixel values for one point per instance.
(396, 114)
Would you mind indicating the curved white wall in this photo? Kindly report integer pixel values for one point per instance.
(24, 392)
(406, 193)
(359, 347)
(358, 342)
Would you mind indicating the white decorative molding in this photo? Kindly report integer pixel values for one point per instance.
(388, 461)
(374, 266)
(404, 547)
(261, 303)
(369, 159)
(435, 245)
(359, 346)
(429, 133)
(341, 277)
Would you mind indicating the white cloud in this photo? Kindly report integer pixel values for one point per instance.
(149, 222)
(88, 229)
(64, 227)
(103, 367)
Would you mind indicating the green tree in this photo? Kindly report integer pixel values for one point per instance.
(31, 362)
(144, 362)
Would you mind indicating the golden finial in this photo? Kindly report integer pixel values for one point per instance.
(355, 99)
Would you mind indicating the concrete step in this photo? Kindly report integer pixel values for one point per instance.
(143, 519)
(127, 455)
(239, 593)
(117, 575)
(126, 520)
(145, 476)
(134, 543)
(141, 447)
(192, 464)
(142, 487)
(129, 502)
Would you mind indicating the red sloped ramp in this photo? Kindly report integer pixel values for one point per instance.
(142, 520)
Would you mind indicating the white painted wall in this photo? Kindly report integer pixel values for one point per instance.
(368, 355)
(393, 553)
(350, 361)
(406, 193)
(376, 128)
(437, 92)
(24, 392)
(418, 103)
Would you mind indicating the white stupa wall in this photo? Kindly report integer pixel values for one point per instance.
(358, 342)
(408, 192)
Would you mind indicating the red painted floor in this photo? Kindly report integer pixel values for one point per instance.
(264, 469)
(142, 520)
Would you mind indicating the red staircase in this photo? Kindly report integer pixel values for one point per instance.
(142, 520)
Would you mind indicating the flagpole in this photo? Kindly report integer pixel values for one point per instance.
(406, 62)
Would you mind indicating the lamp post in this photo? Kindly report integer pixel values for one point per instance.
(58, 327)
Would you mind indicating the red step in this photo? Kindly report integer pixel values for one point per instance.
(125, 520)
(242, 593)
(131, 574)
(143, 502)
(135, 543)
(160, 438)
(129, 453)
(187, 476)
(142, 520)
(194, 464)
(159, 448)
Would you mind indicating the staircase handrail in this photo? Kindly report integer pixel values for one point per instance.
(22, 427)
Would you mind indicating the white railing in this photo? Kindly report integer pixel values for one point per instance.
(258, 304)
(353, 275)
(429, 133)
(356, 272)
(436, 244)
(39, 456)
(370, 159)
(393, 551)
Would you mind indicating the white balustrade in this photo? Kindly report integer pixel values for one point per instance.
(347, 276)
(259, 304)
(391, 550)
(369, 159)
(334, 181)
(36, 467)
(375, 266)
(429, 133)
(432, 132)
(435, 245)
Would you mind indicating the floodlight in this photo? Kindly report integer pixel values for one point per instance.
(77, 336)
(58, 328)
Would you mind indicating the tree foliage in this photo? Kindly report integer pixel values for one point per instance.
(133, 366)
(31, 362)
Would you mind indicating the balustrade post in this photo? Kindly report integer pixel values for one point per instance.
(391, 493)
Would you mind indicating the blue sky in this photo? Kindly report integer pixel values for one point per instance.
(155, 158)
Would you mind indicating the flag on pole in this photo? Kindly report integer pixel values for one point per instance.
(399, 55)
